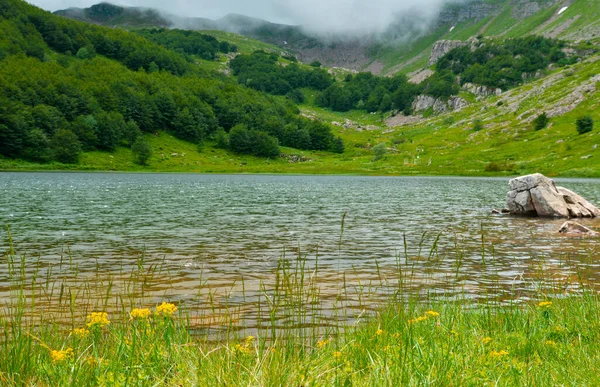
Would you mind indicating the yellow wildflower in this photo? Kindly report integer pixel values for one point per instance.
(432, 313)
(418, 319)
(337, 354)
(98, 319)
(166, 309)
(486, 340)
(322, 343)
(242, 348)
(545, 304)
(379, 332)
(81, 332)
(94, 361)
(498, 353)
(58, 356)
(250, 339)
(550, 343)
(140, 313)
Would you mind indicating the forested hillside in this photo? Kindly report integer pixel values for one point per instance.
(67, 87)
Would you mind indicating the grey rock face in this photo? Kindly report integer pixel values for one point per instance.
(441, 48)
(424, 102)
(536, 194)
(473, 10)
(481, 91)
(524, 9)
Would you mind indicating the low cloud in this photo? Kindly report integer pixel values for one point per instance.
(323, 17)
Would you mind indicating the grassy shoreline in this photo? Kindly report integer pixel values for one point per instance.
(60, 327)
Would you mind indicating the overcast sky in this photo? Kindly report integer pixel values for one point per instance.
(318, 15)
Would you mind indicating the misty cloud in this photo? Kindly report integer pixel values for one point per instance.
(356, 16)
(350, 17)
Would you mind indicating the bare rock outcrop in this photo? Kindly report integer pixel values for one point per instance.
(441, 48)
(424, 102)
(481, 91)
(538, 195)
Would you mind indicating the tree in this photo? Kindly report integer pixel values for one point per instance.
(240, 139)
(110, 129)
(540, 121)
(37, 146)
(132, 132)
(186, 128)
(477, 125)
(337, 145)
(66, 146)
(141, 151)
(584, 124)
(221, 139)
(379, 151)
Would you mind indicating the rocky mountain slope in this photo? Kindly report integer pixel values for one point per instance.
(404, 47)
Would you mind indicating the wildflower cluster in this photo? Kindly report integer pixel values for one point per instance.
(498, 353)
(245, 346)
(486, 340)
(81, 332)
(59, 356)
(140, 313)
(98, 319)
(545, 304)
(165, 309)
(428, 314)
(322, 343)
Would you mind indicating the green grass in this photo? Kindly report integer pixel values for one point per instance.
(245, 45)
(55, 332)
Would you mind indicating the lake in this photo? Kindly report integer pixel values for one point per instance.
(227, 235)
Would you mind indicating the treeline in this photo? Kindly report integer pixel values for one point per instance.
(28, 29)
(264, 72)
(54, 105)
(504, 64)
(369, 92)
(188, 42)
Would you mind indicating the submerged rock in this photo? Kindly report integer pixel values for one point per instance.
(538, 195)
(569, 227)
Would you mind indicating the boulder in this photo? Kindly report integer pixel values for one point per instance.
(536, 194)
(569, 227)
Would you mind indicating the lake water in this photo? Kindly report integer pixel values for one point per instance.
(227, 233)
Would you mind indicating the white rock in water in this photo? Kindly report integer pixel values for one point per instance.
(569, 227)
(536, 194)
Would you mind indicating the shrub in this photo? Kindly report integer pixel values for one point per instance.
(499, 167)
(584, 124)
(66, 146)
(540, 121)
(477, 125)
(141, 151)
(379, 151)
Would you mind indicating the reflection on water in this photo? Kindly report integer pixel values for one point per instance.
(222, 236)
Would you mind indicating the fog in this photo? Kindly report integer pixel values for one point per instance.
(352, 17)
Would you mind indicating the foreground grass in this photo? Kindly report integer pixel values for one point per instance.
(547, 343)
(64, 327)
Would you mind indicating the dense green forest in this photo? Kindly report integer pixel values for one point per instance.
(369, 92)
(67, 86)
(504, 64)
(263, 71)
(187, 42)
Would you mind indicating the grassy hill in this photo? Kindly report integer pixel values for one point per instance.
(580, 21)
(442, 145)
(504, 142)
